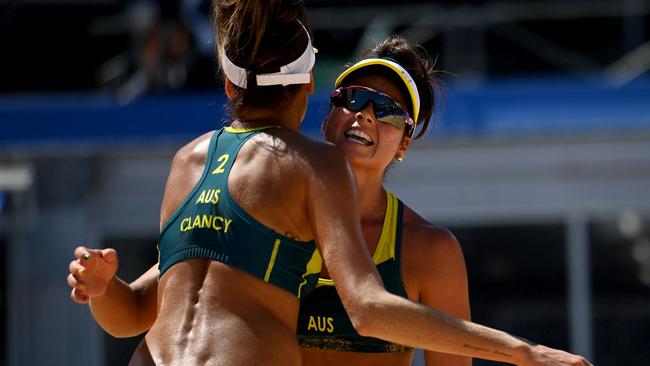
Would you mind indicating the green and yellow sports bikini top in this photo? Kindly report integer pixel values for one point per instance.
(210, 224)
(323, 322)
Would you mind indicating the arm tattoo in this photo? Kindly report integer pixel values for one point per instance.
(479, 349)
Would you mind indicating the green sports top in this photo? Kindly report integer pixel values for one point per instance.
(323, 322)
(210, 224)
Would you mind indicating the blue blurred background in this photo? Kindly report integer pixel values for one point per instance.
(539, 162)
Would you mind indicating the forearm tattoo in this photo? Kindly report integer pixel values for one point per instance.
(480, 349)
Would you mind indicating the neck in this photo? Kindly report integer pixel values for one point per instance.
(288, 115)
(260, 117)
(372, 194)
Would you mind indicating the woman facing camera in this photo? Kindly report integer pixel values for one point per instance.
(415, 259)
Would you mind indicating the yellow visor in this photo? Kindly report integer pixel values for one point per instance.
(398, 69)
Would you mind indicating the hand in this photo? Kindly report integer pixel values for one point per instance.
(545, 356)
(91, 273)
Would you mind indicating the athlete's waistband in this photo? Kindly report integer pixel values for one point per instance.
(345, 344)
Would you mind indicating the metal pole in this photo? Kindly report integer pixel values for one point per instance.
(418, 360)
(579, 285)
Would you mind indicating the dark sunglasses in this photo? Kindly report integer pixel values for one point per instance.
(387, 110)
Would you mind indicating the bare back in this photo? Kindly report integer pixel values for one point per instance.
(214, 314)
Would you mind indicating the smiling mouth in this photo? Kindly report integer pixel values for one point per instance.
(359, 137)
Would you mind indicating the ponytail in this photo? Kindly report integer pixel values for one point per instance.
(421, 68)
(260, 36)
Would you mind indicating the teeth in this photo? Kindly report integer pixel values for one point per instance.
(359, 135)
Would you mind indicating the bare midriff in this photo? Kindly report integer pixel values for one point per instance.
(214, 314)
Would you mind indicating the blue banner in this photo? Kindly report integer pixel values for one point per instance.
(499, 108)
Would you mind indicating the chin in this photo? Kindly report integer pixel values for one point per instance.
(356, 158)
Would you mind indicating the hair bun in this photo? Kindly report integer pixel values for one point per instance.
(257, 34)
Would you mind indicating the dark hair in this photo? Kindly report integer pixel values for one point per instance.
(416, 61)
(260, 36)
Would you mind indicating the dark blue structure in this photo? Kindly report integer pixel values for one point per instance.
(517, 107)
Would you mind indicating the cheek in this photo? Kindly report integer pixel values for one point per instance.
(391, 137)
(332, 126)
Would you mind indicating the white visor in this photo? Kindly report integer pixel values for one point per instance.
(295, 72)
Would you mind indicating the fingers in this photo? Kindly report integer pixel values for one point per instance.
(546, 356)
(584, 362)
(77, 269)
(109, 255)
(75, 282)
(78, 296)
(578, 360)
(83, 253)
(91, 272)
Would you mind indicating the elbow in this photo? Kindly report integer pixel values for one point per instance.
(122, 333)
(116, 333)
(362, 325)
(367, 307)
(125, 329)
(364, 318)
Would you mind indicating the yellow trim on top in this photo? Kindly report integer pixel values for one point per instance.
(244, 130)
(387, 239)
(313, 267)
(325, 282)
(269, 269)
(386, 245)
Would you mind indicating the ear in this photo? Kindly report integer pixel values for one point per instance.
(229, 87)
(403, 147)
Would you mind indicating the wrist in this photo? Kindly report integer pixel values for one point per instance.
(107, 290)
(523, 354)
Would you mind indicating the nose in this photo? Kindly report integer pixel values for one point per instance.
(367, 114)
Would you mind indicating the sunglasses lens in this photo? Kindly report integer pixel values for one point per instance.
(357, 100)
(397, 121)
(385, 109)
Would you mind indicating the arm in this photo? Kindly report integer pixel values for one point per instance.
(334, 217)
(126, 310)
(121, 309)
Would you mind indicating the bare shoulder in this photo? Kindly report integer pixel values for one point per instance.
(186, 170)
(314, 150)
(193, 153)
(421, 236)
(429, 251)
(310, 155)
